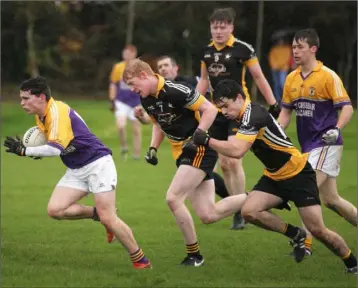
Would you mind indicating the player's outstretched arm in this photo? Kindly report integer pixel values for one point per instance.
(285, 117)
(234, 148)
(16, 146)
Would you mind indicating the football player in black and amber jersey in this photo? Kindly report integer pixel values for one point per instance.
(288, 176)
(168, 68)
(226, 57)
(175, 109)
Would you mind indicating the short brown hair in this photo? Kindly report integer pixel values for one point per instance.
(172, 60)
(223, 15)
(134, 67)
(309, 35)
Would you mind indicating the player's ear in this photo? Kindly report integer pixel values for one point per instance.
(231, 27)
(142, 75)
(314, 49)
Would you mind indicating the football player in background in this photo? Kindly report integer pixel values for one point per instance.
(123, 101)
(316, 93)
(227, 57)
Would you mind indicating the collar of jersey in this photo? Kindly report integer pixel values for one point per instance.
(243, 108)
(160, 84)
(315, 69)
(48, 105)
(229, 43)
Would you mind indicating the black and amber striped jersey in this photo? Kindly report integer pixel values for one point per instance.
(270, 144)
(175, 109)
(229, 61)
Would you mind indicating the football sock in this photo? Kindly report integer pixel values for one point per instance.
(95, 216)
(138, 256)
(308, 243)
(220, 188)
(350, 260)
(291, 231)
(193, 249)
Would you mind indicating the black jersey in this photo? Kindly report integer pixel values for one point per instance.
(174, 108)
(270, 144)
(229, 61)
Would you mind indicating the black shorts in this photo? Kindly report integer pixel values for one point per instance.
(204, 159)
(301, 189)
(221, 128)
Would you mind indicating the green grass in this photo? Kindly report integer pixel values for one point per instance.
(38, 251)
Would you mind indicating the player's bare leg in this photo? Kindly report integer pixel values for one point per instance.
(234, 177)
(255, 211)
(137, 138)
(106, 209)
(121, 123)
(331, 199)
(313, 220)
(203, 202)
(62, 204)
(185, 181)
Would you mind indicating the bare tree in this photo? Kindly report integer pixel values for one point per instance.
(130, 21)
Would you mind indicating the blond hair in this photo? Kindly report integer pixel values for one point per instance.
(134, 67)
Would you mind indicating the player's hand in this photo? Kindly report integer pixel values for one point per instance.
(138, 112)
(200, 137)
(14, 145)
(112, 106)
(151, 156)
(275, 110)
(190, 148)
(331, 136)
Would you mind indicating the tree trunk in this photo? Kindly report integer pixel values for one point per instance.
(31, 50)
(350, 55)
(187, 38)
(130, 22)
(259, 31)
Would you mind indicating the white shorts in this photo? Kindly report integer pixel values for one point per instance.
(96, 177)
(124, 110)
(326, 159)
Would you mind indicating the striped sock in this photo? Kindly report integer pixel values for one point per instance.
(308, 243)
(138, 256)
(193, 249)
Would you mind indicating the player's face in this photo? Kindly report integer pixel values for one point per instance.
(302, 52)
(230, 108)
(167, 69)
(220, 31)
(140, 85)
(32, 104)
(128, 55)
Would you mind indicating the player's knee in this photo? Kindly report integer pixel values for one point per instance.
(107, 219)
(330, 203)
(318, 232)
(207, 218)
(248, 214)
(54, 212)
(172, 202)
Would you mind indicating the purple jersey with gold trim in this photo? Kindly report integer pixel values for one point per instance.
(316, 99)
(124, 93)
(66, 130)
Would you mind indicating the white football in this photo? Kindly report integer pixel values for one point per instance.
(34, 137)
